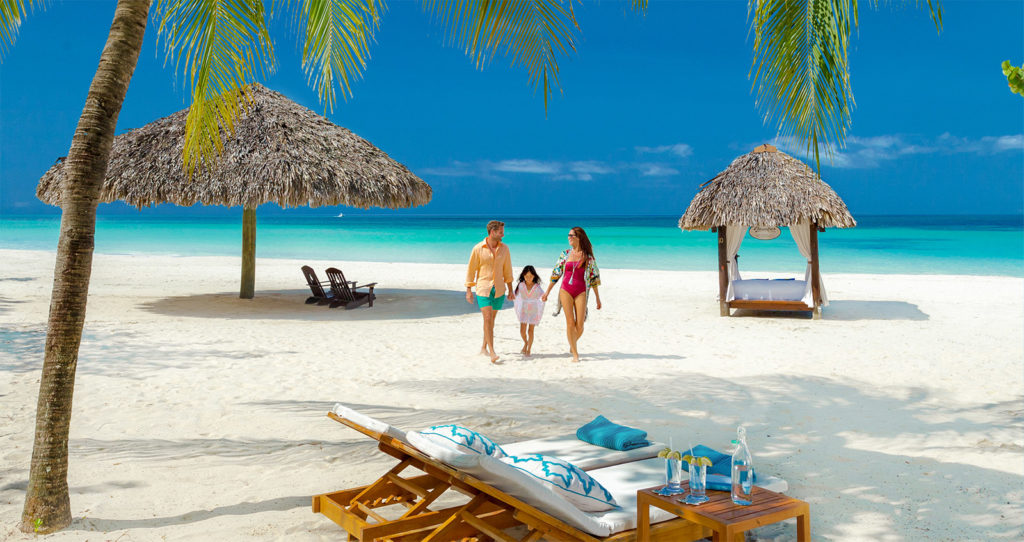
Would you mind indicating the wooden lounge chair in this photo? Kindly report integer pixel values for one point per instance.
(320, 296)
(487, 515)
(344, 291)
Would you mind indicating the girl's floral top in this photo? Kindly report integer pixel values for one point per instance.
(592, 274)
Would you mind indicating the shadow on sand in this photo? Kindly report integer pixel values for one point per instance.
(391, 304)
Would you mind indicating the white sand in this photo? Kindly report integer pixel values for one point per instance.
(199, 416)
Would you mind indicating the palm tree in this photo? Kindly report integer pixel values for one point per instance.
(801, 71)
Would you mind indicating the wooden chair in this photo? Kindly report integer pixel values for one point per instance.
(320, 296)
(486, 516)
(344, 291)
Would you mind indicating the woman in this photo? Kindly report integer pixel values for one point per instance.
(579, 268)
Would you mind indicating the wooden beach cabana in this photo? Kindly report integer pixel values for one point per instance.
(280, 152)
(767, 189)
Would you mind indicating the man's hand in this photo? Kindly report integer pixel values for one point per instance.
(469, 297)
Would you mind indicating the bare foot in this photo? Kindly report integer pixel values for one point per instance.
(484, 352)
(524, 351)
(494, 359)
(575, 358)
(527, 352)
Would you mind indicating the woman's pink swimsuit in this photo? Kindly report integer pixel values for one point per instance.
(572, 280)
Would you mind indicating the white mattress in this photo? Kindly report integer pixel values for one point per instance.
(582, 454)
(769, 289)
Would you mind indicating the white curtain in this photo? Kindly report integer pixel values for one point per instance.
(734, 235)
(801, 233)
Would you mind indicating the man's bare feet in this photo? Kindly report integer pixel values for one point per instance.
(575, 357)
(494, 359)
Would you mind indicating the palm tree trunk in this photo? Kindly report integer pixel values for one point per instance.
(47, 506)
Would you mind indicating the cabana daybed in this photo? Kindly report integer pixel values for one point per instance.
(767, 189)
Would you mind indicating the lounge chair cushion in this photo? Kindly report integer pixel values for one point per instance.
(582, 454)
(457, 440)
(564, 479)
(372, 424)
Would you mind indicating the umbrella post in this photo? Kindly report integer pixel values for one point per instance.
(248, 287)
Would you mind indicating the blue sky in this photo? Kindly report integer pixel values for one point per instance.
(650, 108)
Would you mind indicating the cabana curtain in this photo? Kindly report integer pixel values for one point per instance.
(734, 235)
(801, 232)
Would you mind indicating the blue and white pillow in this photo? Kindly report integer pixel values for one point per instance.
(462, 440)
(565, 480)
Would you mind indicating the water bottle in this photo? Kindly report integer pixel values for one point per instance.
(742, 470)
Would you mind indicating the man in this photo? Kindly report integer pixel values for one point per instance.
(490, 271)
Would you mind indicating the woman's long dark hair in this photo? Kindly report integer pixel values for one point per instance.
(585, 246)
(522, 275)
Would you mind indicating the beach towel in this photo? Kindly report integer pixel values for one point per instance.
(602, 432)
(720, 471)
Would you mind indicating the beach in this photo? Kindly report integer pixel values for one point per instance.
(201, 416)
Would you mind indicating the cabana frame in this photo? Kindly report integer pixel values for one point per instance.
(764, 304)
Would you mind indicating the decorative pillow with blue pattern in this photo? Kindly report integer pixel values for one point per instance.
(462, 440)
(565, 480)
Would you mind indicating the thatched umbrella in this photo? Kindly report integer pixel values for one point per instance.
(280, 153)
(766, 188)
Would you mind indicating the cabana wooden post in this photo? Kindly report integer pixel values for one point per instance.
(767, 188)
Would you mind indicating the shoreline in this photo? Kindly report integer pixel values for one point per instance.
(334, 262)
(199, 415)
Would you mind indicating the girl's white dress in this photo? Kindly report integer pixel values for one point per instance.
(529, 307)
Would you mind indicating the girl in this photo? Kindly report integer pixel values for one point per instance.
(528, 305)
(579, 269)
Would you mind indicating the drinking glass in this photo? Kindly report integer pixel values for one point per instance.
(698, 484)
(673, 478)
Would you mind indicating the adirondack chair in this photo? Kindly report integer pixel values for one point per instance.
(345, 292)
(320, 296)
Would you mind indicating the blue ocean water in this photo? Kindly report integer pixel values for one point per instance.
(969, 245)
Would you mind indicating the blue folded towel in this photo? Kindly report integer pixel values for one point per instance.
(602, 432)
(720, 471)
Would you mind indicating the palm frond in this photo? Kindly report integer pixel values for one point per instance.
(337, 37)
(216, 43)
(533, 32)
(11, 14)
(801, 69)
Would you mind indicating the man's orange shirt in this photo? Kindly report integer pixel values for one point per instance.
(488, 270)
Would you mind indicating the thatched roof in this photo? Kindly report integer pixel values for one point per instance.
(281, 152)
(766, 188)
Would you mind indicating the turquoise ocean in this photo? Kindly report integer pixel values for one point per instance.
(963, 245)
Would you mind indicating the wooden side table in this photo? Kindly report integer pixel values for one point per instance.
(727, 520)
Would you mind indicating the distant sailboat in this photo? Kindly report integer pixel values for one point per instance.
(341, 215)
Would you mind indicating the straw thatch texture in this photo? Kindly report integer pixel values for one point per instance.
(281, 152)
(766, 188)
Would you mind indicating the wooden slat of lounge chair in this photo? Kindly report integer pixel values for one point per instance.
(445, 532)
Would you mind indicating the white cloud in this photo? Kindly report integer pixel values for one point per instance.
(657, 170)
(870, 152)
(527, 166)
(679, 149)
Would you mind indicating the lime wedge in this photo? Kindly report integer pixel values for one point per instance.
(664, 453)
(674, 455)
